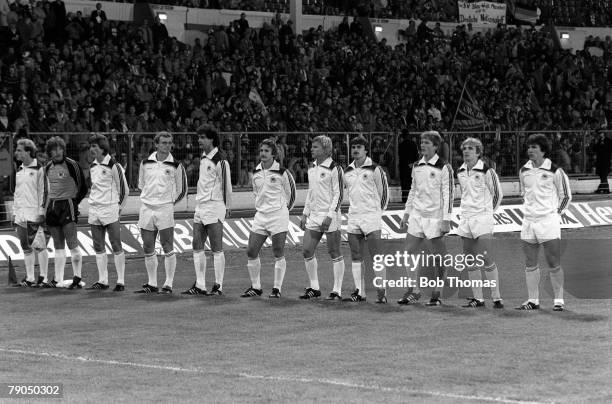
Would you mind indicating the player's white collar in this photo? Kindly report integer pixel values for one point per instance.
(168, 159)
(367, 162)
(326, 163)
(275, 166)
(478, 166)
(431, 161)
(104, 161)
(212, 153)
(33, 163)
(546, 165)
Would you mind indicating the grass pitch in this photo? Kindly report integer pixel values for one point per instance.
(131, 348)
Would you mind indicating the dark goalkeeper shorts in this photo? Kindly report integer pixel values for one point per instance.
(61, 213)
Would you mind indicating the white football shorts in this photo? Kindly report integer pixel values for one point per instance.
(156, 217)
(269, 224)
(209, 213)
(364, 224)
(103, 215)
(541, 230)
(476, 226)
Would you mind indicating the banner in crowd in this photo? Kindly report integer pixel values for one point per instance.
(507, 219)
(481, 13)
(469, 115)
(523, 12)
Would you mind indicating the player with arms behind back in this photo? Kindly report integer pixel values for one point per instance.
(108, 195)
(428, 211)
(322, 215)
(274, 190)
(214, 192)
(481, 195)
(368, 193)
(163, 183)
(547, 194)
(28, 211)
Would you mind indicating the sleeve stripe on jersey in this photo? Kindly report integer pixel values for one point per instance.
(495, 188)
(223, 183)
(122, 192)
(46, 190)
(292, 186)
(383, 200)
(450, 189)
(341, 186)
(565, 200)
(184, 182)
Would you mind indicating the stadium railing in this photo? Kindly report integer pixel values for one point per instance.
(503, 150)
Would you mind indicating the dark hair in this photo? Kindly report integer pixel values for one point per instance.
(271, 143)
(210, 132)
(54, 143)
(540, 140)
(101, 141)
(359, 140)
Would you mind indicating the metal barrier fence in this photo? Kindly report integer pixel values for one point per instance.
(506, 151)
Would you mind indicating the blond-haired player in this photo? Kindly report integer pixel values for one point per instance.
(28, 210)
(481, 195)
(322, 215)
(163, 183)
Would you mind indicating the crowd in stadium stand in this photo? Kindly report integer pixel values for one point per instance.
(65, 72)
(589, 13)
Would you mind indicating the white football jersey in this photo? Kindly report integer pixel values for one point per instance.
(545, 190)
(431, 194)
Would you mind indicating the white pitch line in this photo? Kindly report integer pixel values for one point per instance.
(292, 379)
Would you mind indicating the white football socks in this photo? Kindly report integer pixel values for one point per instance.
(199, 263)
(102, 263)
(338, 265)
(43, 264)
(254, 267)
(556, 279)
(219, 264)
(170, 266)
(311, 269)
(492, 274)
(60, 264)
(29, 259)
(120, 267)
(151, 265)
(356, 269)
(532, 276)
(77, 261)
(280, 266)
(476, 277)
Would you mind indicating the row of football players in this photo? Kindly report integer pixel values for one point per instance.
(51, 195)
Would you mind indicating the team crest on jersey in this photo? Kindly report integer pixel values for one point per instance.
(208, 168)
(365, 176)
(103, 172)
(477, 176)
(544, 176)
(432, 175)
(167, 172)
(273, 179)
(61, 174)
(31, 174)
(322, 175)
